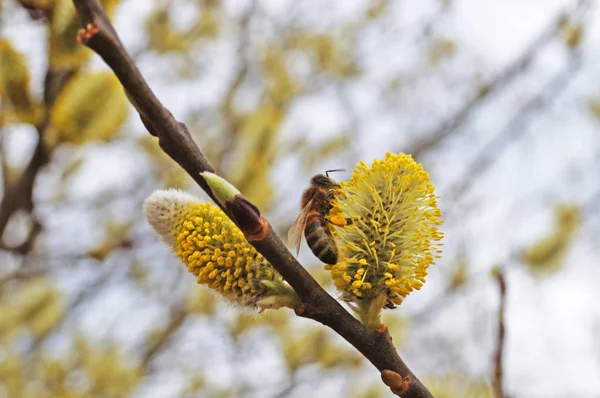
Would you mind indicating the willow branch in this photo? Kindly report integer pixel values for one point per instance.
(498, 383)
(18, 195)
(175, 139)
(78, 300)
(22, 274)
(177, 317)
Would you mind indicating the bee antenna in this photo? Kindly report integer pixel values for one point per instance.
(333, 170)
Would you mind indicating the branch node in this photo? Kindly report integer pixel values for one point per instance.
(299, 310)
(260, 232)
(381, 329)
(147, 123)
(396, 383)
(403, 388)
(85, 34)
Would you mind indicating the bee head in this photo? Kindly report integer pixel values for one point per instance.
(323, 181)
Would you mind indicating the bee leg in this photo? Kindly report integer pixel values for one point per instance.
(329, 194)
(338, 220)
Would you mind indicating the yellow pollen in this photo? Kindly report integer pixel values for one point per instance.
(216, 251)
(394, 234)
(338, 220)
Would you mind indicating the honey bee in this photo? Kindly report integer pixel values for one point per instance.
(314, 220)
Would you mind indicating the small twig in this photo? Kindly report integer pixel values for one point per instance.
(177, 317)
(290, 387)
(23, 273)
(440, 301)
(80, 298)
(175, 140)
(497, 384)
(18, 195)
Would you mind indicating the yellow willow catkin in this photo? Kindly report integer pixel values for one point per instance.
(392, 233)
(14, 78)
(214, 249)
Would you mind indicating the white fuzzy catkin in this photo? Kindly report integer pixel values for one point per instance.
(163, 208)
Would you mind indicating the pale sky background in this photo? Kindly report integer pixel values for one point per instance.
(553, 324)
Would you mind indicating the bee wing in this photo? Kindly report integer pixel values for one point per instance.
(297, 228)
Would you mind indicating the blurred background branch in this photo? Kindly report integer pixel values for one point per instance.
(498, 383)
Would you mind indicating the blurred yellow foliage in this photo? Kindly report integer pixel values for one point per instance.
(196, 384)
(168, 173)
(281, 86)
(267, 117)
(460, 274)
(377, 390)
(594, 106)
(208, 24)
(108, 373)
(314, 345)
(12, 377)
(397, 325)
(14, 84)
(276, 320)
(164, 36)
(71, 168)
(439, 50)
(201, 301)
(223, 393)
(116, 235)
(139, 273)
(91, 107)
(457, 386)
(255, 154)
(571, 33)
(546, 255)
(376, 9)
(35, 308)
(326, 52)
(65, 51)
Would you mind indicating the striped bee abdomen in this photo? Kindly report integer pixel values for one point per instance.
(319, 238)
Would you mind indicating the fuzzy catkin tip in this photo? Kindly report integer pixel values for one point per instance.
(163, 208)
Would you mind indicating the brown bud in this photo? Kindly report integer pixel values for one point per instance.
(299, 310)
(391, 378)
(396, 383)
(247, 216)
(244, 213)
